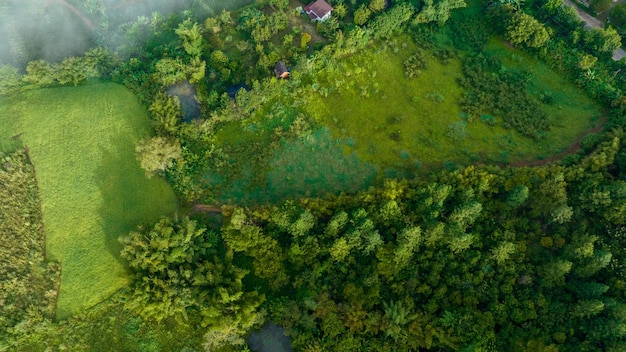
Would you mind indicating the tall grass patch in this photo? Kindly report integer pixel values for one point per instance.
(81, 141)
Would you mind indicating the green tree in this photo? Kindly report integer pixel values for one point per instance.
(517, 196)
(10, 80)
(553, 273)
(165, 111)
(72, 70)
(587, 308)
(157, 154)
(40, 73)
(408, 243)
(339, 11)
(438, 10)
(100, 61)
(377, 5)
(361, 15)
(305, 38)
(587, 61)
(279, 4)
(525, 30)
(503, 252)
(603, 41)
(164, 258)
(388, 23)
(170, 71)
(191, 34)
(397, 316)
(562, 214)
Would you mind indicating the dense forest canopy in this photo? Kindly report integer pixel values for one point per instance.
(282, 222)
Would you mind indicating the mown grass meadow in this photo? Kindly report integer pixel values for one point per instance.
(81, 141)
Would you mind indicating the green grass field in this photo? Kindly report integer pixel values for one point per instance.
(81, 141)
(397, 122)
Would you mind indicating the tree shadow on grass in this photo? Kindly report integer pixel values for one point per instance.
(129, 198)
(309, 166)
(315, 165)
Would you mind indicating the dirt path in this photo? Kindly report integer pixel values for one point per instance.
(71, 7)
(593, 22)
(572, 149)
(206, 208)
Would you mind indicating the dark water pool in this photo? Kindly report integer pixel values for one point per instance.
(271, 338)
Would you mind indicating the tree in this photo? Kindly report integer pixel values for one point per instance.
(397, 316)
(305, 38)
(170, 71)
(191, 34)
(157, 154)
(388, 23)
(553, 273)
(503, 252)
(603, 41)
(165, 111)
(72, 70)
(100, 61)
(279, 4)
(408, 243)
(40, 73)
(587, 61)
(526, 30)
(361, 15)
(339, 11)
(438, 10)
(562, 214)
(517, 196)
(377, 5)
(164, 258)
(10, 80)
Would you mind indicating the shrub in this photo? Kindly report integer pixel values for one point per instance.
(414, 65)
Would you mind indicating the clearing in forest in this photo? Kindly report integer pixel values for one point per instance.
(81, 141)
(403, 123)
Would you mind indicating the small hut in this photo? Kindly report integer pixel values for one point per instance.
(281, 70)
(319, 10)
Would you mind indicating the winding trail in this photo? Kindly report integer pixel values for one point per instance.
(572, 149)
(73, 9)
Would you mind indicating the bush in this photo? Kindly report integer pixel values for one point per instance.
(503, 93)
(526, 30)
(414, 65)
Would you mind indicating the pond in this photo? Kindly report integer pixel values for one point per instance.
(271, 338)
(186, 94)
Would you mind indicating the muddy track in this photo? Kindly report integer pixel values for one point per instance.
(74, 10)
(572, 149)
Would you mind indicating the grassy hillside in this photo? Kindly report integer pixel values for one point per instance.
(400, 122)
(81, 141)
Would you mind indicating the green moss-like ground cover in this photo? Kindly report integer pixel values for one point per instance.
(81, 140)
(397, 122)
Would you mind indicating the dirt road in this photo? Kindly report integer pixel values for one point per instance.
(593, 22)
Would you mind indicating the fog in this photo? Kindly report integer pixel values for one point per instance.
(55, 29)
